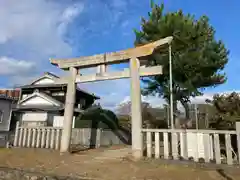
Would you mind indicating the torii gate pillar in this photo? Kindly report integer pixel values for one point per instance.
(136, 110)
(69, 109)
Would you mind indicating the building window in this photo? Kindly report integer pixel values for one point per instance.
(1, 116)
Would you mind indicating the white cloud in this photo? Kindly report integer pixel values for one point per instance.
(201, 99)
(155, 101)
(68, 15)
(18, 81)
(10, 66)
(72, 11)
(32, 31)
(110, 92)
(33, 23)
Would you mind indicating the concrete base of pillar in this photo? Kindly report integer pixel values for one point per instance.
(137, 154)
(65, 153)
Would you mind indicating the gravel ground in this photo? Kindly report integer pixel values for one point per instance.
(107, 164)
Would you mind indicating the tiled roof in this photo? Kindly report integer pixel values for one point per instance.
(44, 96)
(9, 94)
(44, 108)
(56, 85)
(51, 74)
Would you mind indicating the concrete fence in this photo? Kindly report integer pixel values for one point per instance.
(221, 147)
(37, 137)
(50, 137)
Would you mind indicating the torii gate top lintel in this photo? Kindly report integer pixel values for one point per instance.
(111, 58)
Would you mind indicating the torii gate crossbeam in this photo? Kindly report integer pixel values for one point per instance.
(135, 55)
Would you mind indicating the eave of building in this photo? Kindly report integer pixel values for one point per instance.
(56, 86)
(43, 108)
(48, 85)
(46, 75)
(44, 96)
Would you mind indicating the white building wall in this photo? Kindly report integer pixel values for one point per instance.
(31, 119)
(58, 121)
(25, 95)
(32, 116)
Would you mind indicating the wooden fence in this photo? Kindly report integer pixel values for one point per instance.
(50, 137)
(200, 145)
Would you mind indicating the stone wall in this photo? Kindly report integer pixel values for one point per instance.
(16, 174)
(99, 137)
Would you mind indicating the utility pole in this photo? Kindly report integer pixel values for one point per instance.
(171, 86)
(196, 115)
(206, 118)
(168, 119)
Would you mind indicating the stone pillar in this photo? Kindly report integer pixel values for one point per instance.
(136, 109)
(68, 112)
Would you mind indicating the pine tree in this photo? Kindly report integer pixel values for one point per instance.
(227, 110)
(198, 58)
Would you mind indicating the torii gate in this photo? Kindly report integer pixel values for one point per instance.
(136, 57)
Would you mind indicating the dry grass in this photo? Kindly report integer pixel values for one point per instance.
(90, 164)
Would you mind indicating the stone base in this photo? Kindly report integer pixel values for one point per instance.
(137, 154)
(65, 153)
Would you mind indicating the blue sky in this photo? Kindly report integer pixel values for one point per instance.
(32, 31)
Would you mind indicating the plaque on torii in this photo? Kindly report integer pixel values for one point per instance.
(136, 56)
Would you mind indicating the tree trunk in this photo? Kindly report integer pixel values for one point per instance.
(175, 117)
(186, 108)
(188, 122)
